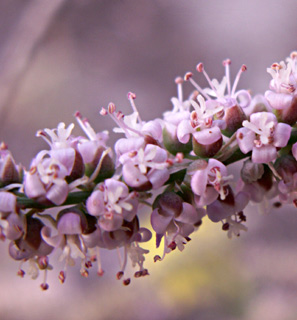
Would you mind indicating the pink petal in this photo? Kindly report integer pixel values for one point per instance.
(69, 223)
(245, 139)
(199, 181)
(208, 136)
(160, 222)
(264, 154)
(278, 100)
(282, 134)
(184, 130)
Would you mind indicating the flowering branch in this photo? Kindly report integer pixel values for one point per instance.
(176, 165)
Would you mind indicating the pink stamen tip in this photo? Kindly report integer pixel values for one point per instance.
(243, 68)
(293, 55)
(188, 75)
(120, 115)
(103, 112)
(100, 273)
(3, 146)
(111, 108)
(179, 80)
(200, 67)
(77, 114)
(21, 273)
(131, 95)
(226, 62)
(276, 66)
(40, 133)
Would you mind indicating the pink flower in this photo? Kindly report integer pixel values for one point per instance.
(262, 135)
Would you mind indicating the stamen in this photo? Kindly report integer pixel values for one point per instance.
(100, 271)
(226, 64)
(200, 68)
(196, 85)
(179, 81)
(131, 97)
(241, 70)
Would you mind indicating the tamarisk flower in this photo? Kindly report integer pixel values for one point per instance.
(112, 204)
(31, 247)
(233, 101)
(207, 136)
(282, 94)
(263, 135)
(175, 220)
(208, 181)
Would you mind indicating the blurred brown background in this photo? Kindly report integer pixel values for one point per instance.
(59, 56)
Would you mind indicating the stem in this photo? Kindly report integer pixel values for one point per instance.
(73, 198)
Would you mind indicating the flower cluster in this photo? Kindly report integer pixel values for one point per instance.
(177, 166)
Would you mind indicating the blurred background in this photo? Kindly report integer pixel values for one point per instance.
(59, 56)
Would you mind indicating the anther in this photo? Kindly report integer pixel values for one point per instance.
(44, 286)
(226, 62)
(100, 273)
(62, 276)
(88, 264)
(21, 273)
(188, 75)
(126, 282)
(42, 262)
(225, 226)
(243, 68)
(138, 274)
(111, 108)
(277, 204)
(293, 55)
(103, 112)
(84, 273)
(120, 275)
(172, 245)
(157, 258)
(131, 95)
(178, 80)
(200, 67)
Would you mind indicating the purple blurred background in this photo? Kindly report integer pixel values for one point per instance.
(59, 56)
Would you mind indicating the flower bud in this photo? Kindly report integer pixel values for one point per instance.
(233, 118)
(173, 145)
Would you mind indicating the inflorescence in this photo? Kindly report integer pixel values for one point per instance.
(176, 166)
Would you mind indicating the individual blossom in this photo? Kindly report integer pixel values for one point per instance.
(222, 94)
(174, 220)
(95, 154)
(258, 182)
(282, 94)
(63, 149)
(286, 167)
(209, 180)
(112, 204)
(144, 166)
(263, 135)
(12, 223)
(172, 119)
(31, 248)
(230, 212)
(72, 223)
(207, 136)
(45, 181)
